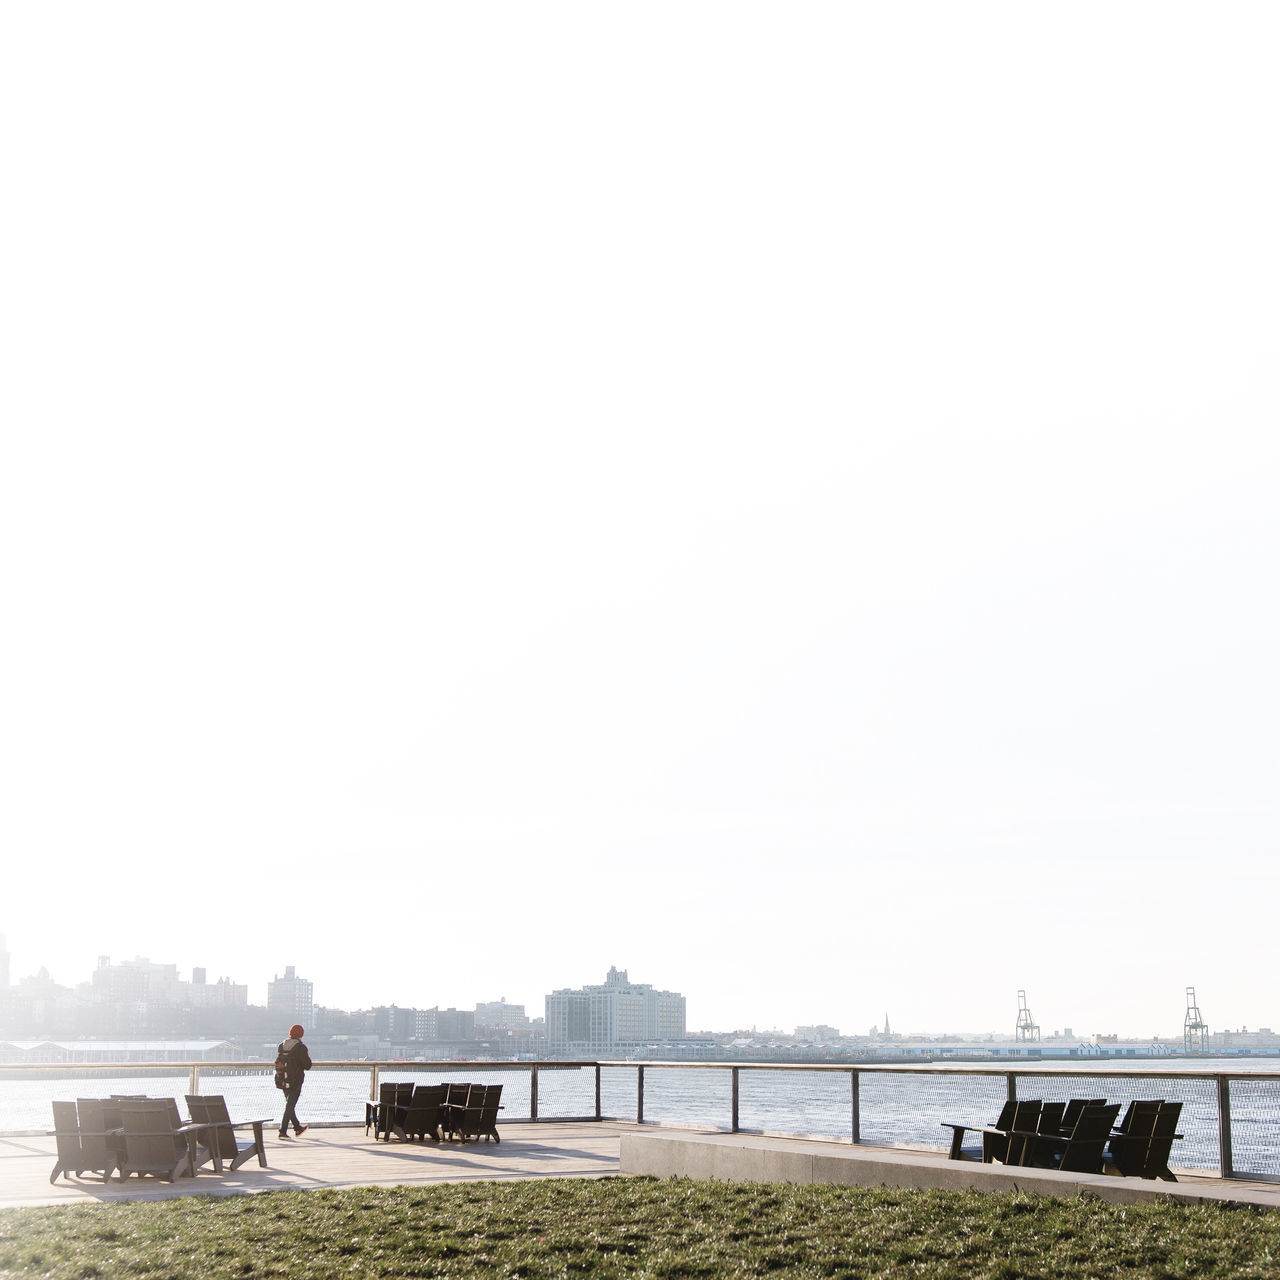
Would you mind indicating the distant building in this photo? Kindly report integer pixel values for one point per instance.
(289, 999)
(213, 995)
(4, 963)
(119, 1051)
(135, 981)
(446, 1024)
(390, 1022)
(616, 1014)
(820, 1033)
(500, 1017)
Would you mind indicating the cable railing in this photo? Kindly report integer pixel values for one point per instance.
(1228, 1121)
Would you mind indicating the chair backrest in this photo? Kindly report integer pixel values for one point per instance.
(148, 1136)
(93, 1133)
(1005, 1119)
(211, 1108)
(425, 1105)
(1143, 1107)
(489, 1108)
(456, 1094)
(1051, 1117)
(1083, 1152)
(1026, 1114)
(1142, 1119)
(1163, 1133)
(1074, 1107)
(66, 1128)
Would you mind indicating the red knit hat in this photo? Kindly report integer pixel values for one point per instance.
(297, 1031)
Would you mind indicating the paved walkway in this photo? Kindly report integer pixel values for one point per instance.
(337, 1157)
(345, 1157)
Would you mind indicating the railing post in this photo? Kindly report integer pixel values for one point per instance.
(855, 1107)
(373, 1084)
(533, 1092)
(733, 1109)
(1011, 1088)
(1224, 1127)
(598, 1091)
(195, 1078)
(639, 1095)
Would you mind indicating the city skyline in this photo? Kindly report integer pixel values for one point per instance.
(781, 501)
(957, 1027)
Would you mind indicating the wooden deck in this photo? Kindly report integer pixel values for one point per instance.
(343, 1157)
(330, 1157)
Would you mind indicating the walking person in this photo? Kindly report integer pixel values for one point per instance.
(297, 1062)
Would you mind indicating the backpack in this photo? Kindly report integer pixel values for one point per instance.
(281, 1065)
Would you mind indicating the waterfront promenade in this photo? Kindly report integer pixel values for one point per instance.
(342, 1156)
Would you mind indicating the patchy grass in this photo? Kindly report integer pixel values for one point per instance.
(634, 1227)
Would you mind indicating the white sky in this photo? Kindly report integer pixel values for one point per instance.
(779, 498)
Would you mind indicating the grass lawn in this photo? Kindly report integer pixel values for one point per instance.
(634, 1227)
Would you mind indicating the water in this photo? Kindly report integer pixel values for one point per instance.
(896, 1108)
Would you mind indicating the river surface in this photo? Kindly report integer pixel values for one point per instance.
(895, 1108)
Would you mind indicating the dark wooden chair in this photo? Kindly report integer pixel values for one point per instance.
(381, 1114)
(1080, 1151)
(480, 1115)
(1145, 1108)
(209, 1112)
(1072, 1113)
(958, 1152)
(996, 1138)
(1142, 1151)
(422, 1117)
(455, 1099)
(152, 1146)
(1005, 1145)
(1049, 1121)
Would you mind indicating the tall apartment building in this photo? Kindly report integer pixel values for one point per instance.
(617, 1014)
(289, 999)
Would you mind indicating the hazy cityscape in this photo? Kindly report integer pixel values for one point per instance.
(138, 1009)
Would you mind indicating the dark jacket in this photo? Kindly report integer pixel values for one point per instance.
(297, 1061)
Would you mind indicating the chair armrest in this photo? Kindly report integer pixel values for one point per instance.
(1043, 1137)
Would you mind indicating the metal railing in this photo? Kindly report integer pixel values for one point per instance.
(1229, 1119)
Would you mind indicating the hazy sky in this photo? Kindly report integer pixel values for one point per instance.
(779, 498)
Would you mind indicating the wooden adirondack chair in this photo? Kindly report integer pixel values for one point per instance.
(958, 1152)
(100, 1151)
(1081, 1152)
(152, 1146)
(480, 1115)
(1006, 1145)
(1142, 1151)
(455, 1099)
(1048, 1122)
(421, 1118)
(79, 1151)
(210, 1112)
(381, 1114)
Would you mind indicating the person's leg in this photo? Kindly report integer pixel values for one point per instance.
(298, 1126)
(290, 1102)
